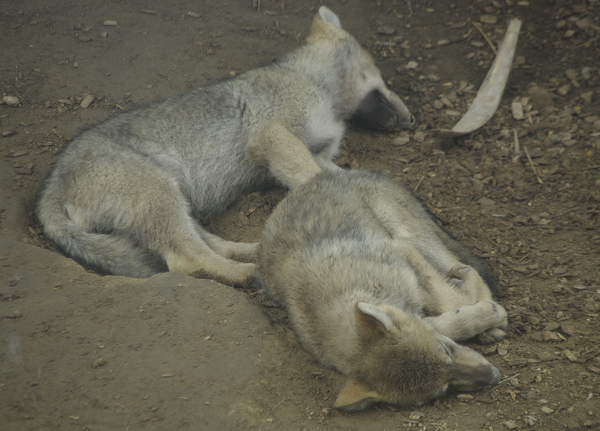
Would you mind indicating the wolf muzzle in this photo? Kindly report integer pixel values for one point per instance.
(382, 111)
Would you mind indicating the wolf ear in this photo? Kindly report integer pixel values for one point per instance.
(355, 396)
(326, 15)
(326, 25)
(371, 320)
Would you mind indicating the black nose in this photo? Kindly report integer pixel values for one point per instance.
(412, 120)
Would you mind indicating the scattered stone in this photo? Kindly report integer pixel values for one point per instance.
(443, 42)
(550, 336)
(386, 30)
(419, 137)
(517, 111)
(547, 410)
(415, 416)
(569, 355)
(193, 14)
(564, 90)
(402, 139)
(551, 326)
(567, 329)
(437, 104)
(511, 425)
(586, 73)
(99, 362)
(446, 102)
(571, 74)
(87, 100)
(587, 97)
(11, 101)
(465, 397)
(412, 65)
(547, 356)
(452, 113)
(488, 19)
(110, 23)
(490, 350)
(486, 202)
(14, 315)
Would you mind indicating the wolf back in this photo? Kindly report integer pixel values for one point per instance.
(126, 196)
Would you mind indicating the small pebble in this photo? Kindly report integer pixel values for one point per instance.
(110, 23)
(564, 90)
(517, 111)
(586, 73)
(87, 100)
(547, 410)
(11, 100)
(488, 19)
(99, 362)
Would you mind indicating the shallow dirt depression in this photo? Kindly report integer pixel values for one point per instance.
(84, 352)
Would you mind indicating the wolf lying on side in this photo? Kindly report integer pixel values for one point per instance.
(377, 290)
(125, 196)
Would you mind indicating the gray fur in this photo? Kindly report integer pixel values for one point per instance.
(373, 290)
(125, 196)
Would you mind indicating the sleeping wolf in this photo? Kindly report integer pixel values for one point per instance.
(125, 196)
(377, 290)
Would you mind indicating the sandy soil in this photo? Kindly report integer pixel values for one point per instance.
(81, 351)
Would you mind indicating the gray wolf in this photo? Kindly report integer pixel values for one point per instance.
(377, 290)
(127, 196)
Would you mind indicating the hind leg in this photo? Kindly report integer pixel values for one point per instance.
(130, 197)
(239, 251)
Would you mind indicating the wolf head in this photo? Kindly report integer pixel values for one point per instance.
(403, 361)
(340, 65)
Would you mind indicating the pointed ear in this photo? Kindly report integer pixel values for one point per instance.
(326, 25)
(371, 320)
(355, 396)
(326, 15)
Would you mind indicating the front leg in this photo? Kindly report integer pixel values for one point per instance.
(286, 156)
(485, 319)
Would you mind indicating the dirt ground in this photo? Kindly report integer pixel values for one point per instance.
(80, 351)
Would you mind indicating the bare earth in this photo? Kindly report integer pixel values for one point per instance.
(80, 351)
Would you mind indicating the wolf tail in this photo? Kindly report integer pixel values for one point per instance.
(107, 253)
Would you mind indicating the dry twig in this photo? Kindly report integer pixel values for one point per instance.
(487, 38)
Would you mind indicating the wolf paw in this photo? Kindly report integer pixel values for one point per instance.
(457, 275)
(491, 336)
(497, 317)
